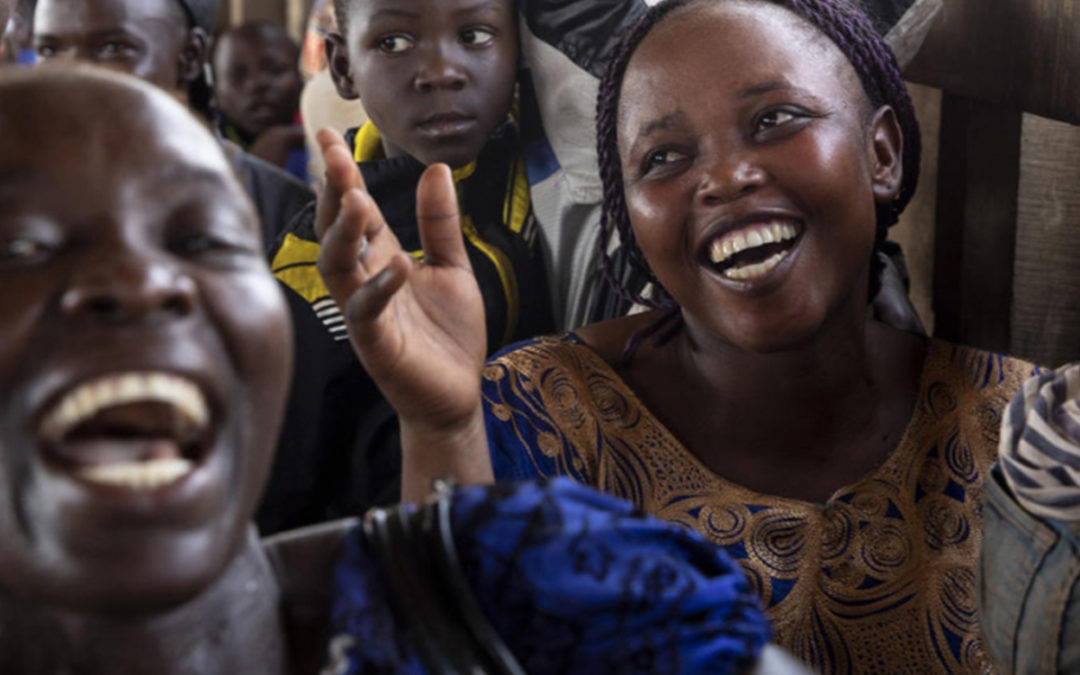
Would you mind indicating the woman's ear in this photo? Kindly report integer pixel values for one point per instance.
(337, 58)
(189, 63)
(886, 152)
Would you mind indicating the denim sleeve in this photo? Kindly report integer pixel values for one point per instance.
(1028, 586)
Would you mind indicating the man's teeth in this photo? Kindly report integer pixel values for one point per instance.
(90, 398)
(146, 475)
(745, 272)
(750, 237)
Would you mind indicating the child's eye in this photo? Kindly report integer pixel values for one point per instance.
(477, 36)
(394, 44)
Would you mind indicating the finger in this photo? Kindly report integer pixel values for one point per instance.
(342, 175)
(356, 247)
(369, 301)
(439, 220)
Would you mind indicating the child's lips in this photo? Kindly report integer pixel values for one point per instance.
(446, 125)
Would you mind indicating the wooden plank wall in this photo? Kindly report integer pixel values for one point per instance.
(994, 61)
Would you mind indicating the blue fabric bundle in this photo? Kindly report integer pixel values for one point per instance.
(573, 581)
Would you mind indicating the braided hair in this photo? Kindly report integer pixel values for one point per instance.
(850, 30)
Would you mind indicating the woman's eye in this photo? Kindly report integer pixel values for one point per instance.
(477, 36)
(394, 44)
(659, 159)
(46, 51)
(775, 118)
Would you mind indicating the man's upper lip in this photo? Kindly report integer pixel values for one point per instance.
(452, 116)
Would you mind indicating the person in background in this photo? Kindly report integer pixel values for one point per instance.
(163, 42)
(257, 91)
(320, 105)
(15, 32)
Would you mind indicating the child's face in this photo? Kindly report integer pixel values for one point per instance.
(752, 162)
(144, 349)
(256, 80)
(140, 37)
(435, 76)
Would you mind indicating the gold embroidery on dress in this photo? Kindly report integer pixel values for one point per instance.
(880, 579)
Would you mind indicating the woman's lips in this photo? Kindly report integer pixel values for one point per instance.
(135, 430)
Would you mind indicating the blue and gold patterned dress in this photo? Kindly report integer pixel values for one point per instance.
(879, 579)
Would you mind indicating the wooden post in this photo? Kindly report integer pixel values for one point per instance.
(978, 177)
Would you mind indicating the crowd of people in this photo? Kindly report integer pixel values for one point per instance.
(257, 420)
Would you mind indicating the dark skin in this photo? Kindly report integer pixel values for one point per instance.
(139, 37)
(138, 270)
(780, 369)
(257, 87)
(436, 76)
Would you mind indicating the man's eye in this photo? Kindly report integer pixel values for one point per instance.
(477, 36)
(394, 44)
(111, 50)
(22, 249)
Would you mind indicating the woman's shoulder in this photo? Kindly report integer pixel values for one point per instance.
(977, 369)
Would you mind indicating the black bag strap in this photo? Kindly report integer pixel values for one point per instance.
(429, 593)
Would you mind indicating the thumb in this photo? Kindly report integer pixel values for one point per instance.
(439, 219)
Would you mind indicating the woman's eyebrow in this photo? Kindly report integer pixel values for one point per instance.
(666, 122)
(770, 86)
(482, 6)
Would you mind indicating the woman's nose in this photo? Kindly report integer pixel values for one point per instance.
(439, 70)
(129, 286)
(729, 177)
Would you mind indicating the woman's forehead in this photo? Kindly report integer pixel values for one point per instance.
(96, 122)
(717, 49)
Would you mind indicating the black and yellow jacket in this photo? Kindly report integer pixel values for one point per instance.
(339, 452)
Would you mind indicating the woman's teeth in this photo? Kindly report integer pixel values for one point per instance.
(145, 475)
(91, 398)
(127, 430)
(724, 249)
(755, 270)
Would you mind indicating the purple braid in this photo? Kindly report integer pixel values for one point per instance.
(849, 29)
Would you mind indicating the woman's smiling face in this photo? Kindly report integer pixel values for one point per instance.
(144, 347)
(752, 162)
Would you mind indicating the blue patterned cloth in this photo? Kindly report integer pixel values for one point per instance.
(574, 582)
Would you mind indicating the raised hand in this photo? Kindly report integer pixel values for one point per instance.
(417, 327)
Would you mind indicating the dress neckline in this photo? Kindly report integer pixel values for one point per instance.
(935, 351)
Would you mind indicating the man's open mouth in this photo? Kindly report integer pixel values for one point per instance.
(752, 251)
(136, 430)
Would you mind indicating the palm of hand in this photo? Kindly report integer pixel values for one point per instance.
(418, 328)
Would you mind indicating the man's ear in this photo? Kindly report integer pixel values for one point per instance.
(886, 152)
(189, 63)
(337, 58)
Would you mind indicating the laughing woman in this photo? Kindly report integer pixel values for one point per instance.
(754, 154)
